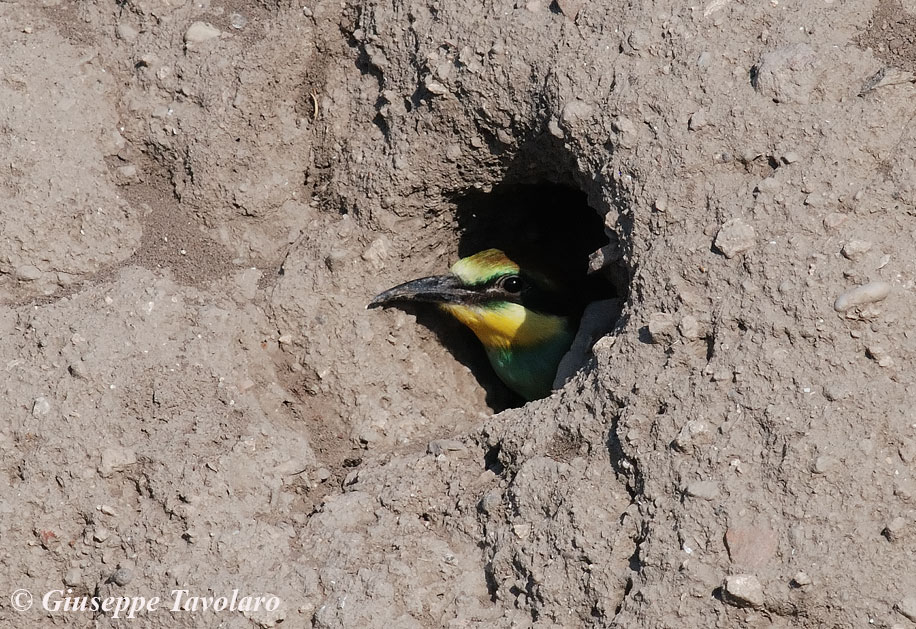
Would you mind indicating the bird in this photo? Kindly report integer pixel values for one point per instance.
(525, 319)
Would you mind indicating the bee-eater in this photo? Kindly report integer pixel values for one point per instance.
(525, 320)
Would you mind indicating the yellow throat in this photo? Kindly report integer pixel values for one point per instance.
(506, 325)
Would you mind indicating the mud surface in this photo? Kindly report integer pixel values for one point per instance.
(198, 199)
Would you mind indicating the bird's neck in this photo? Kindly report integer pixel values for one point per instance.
(509, 326)
(524, 346)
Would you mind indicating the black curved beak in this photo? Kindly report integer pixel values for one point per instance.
(439, 289)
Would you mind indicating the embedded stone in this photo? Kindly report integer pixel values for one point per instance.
(743, 590)
(735, 237)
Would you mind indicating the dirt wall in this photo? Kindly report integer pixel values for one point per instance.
(198, 200)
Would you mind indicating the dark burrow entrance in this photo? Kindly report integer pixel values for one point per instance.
(545, 226)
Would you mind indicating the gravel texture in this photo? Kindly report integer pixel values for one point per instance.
(198, 200)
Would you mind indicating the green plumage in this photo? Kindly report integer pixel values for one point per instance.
(530, 371)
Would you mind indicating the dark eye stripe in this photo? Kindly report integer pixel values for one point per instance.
(537, 294)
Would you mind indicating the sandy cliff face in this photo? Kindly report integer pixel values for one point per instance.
(198, 199)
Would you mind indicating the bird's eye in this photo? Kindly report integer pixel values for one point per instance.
(512, 284)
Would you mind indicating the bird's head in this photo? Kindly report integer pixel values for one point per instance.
(507, 306)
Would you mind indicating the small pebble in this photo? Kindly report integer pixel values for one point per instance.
(200, 32)
(703, 489)
(369, 437)
(575, 111)
(626, 132)
(834, 220)
(690, 328)
(638, 39)
(377, 253)
(73, 578)
(880, 355)
(323, 474)
(735, 237)
(744, 590)
(435, 87)
(907, 607)
(352, 461)
(770, 184)
(750, 155)
(861, 295)
(553, 126)
(907, 450)
(65, 279)
(439, 446)
(522, 531)
(128, 174)
(894, 529)
(127, 32)
(662, 328)
(491, 502)
(40, 407)
(122, 576)
(824, 464)
(100, 534)
(787, 74)
(444, 71)
(814, 200)
(697, 121)
(603, 258)
(148, 59)
(790, 157)
(855, 249)
(570, 8)
(905, 489)
(689, 434)
(801, 579)
(237, 21)
(27, 273)
(114, 459)
(622, 124)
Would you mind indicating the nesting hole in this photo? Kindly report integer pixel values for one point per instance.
(547, 226)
